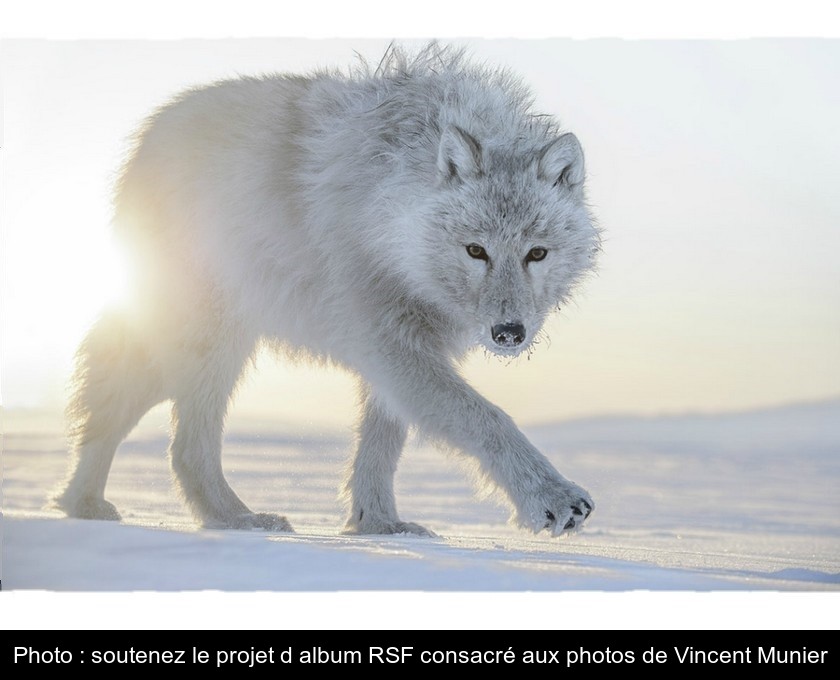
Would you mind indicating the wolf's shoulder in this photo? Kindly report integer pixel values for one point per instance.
(411, 96)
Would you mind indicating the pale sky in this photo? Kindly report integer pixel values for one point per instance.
(713, 169)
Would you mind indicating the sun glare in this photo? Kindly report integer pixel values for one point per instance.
(61, 272)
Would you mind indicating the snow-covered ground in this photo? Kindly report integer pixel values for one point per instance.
(743, 502)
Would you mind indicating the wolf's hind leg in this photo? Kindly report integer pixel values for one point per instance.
(198, 415)
(370, 484)
(115, 382)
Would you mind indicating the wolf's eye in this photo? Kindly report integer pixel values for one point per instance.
(536, 254)
(476, 251)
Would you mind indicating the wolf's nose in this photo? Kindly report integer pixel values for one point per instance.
(508, 334)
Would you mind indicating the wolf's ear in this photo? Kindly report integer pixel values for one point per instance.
(459, 155)
(561, 161)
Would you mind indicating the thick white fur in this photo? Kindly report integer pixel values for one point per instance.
(329, 216)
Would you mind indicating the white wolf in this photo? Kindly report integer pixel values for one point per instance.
(385, 219)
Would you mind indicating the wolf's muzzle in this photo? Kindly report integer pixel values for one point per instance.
(508, 334)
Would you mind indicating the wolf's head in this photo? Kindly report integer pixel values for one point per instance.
(508, 235)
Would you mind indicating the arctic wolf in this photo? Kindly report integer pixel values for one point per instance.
(385, 219)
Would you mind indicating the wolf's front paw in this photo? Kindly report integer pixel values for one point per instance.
(560, 508)
(384, 526)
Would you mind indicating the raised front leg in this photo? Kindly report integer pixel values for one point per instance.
(369, 488)
(426, 389)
